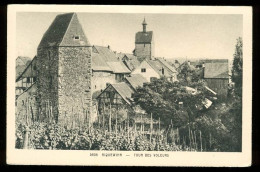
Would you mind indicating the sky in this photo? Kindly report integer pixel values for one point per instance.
(175, 35)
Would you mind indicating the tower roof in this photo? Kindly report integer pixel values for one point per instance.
(143, 37)
(144, 22)
(65, 30)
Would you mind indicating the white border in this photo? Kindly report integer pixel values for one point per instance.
(61, 157)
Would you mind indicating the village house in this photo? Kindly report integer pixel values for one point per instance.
(117, 97)
(21, 64)
(155, 69)
(106, 69)
(26, 77)
(216, 76)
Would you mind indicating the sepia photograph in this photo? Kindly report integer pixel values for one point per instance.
(133, 84)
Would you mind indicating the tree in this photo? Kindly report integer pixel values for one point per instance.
(237, 68)
(162, 98)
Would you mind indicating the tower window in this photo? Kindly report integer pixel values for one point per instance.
(76, 37)
(143, 70)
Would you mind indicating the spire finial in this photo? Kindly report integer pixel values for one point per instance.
(144, 22)
(144, 25)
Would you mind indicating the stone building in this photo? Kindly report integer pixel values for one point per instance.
(144, 44)
(64, 71)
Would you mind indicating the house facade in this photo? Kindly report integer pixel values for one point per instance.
(155, 69)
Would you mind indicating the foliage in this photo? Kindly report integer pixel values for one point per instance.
(53, 136)
(237, 68)
(162, 98)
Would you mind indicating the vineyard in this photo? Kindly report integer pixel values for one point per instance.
(53, 136)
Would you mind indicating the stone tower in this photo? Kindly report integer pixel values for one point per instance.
(144, 44)
(64, 72)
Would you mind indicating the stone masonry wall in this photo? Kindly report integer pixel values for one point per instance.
(143, 50)
(74, 85)
(47, 84)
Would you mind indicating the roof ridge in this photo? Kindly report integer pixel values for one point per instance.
(67, 27)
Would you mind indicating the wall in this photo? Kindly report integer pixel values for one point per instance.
(47, 84)
(143, 50)
(100, 79)
(74, 86)
(220, 86)
(150, 72)
(22, 104)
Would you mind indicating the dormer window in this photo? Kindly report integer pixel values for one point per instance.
(76, 37)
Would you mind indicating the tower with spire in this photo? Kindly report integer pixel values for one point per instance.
(144, 43)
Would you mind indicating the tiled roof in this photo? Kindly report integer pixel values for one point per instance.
(107, 54)
(21, 60)
(62, 30)
(136, 80)
(158, 66)
(166, 64)
(28, 71)
(216, 70)
(144, 37)
(124, 91)
(105, 58)
(132, 61)
(118, 67)
(98, 64)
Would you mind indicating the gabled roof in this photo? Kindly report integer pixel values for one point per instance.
(131, 61)
(123, 90)
(158, 66)
(107, 54)
(166, 64)
(120, 55)
(144, 37)
(186, 63)
(105, 59)
(23, 61)
(98, 64)
(62, 32)
(136, 80)
(216, 70)
(118, 67)
(27, 72)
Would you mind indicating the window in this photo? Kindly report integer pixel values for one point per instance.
(34, 79)
(76, 37)
(28, 80)
(143, 70)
